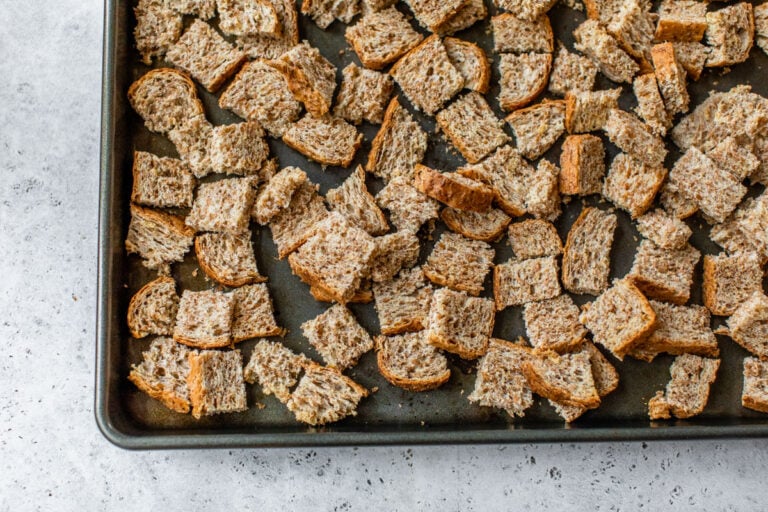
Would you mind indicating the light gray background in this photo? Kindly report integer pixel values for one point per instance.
(51, 453)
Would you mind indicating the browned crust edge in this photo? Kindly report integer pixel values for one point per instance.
(454, 224)
(540, 87)
(539, 386)
(482, 80)
(415, 385)
(168, 398)
(138, 298)
(210, 271)
(310, 152)
(441, 187)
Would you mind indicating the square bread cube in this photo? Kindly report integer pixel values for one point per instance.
(273, 45)
(152, 310)
(634, 137)
(327, 140)
(409, 362)
(460, 324)
(650, 105)
(512, 34)
(293, 225)
(204, 319)
(324, 12)
(459, 263)
(216, 382)
(363, 96)
(353, 200)
(632, 184)
(157, 28)
(239, 148)
(403, 303)
(664, 274)
(735, 158)
(571, 73)
(730, 281)
(161, 182)
(275, 368)
(664, 230)
(434, 15)
(337, 337)
(453, 189)
(687, 392)
(192, 140)
(754, 394)
(223, 206)
(275, 196)
(519, 282)
(587, 253)
(534, 238)
(253, 315)
(537, 127)
(472, 127)
(748, 326)
(500, 381)
(324, 395)
(158, 237)
(670, 77)
(228, 259)
(746, 230)
(554, 324)
(486, 226)
(206, 55)
(587, 111)
(522, 78)
(526, 9)
(393, 252)
(471, 61)
(594, 41)
(730, 34)
(380, 38)
(248, 17)
(681, 20)
(165, 99)
(162, 374)
(566, 379)
(310, 77)
(408, 208)
(398, 146)
(582, 165)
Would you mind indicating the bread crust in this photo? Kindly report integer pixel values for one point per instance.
(320, 294)
(441, 187)
(319, 157)
(412, 325)
(451, 220)
(569, 180)
(210, 271)
(750, 403)
(671, 29)
(415, 385)
(138, 298)
(301, 87)
(186, 80)
(168, 398)
(539, 386)
(453, 348)
(171, 221)
(540, 87)
(482, 80)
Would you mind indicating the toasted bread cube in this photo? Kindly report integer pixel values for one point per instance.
(292, 226)
(276, 195)
(603, 10)
(433, 14)
(619, 319)
(324, 395)
(158, 237)
(408, 208)
(272, 46)
(544, 195)
(471, 61)
(403, 303)
(681, 20)
(650, 105)
(427, 77)
(323, 12)
(582, 165)
(253, 315)
(634, 137)
(161, 181)
(222, 206)
(675, 203)
(761, 26)
(670, 76)
(353, 200)
(310, 77)
(204, 319)
(526, 9)
(745, 230)
(472, 127)
(633, 28)
(566, 379)
(688, 391)
(364, 95)
(337, 337)
(453, 189)
(734, 158)
(327, 140)
(538, 127)
(216, 382)
(730, 33)
(153, 308)
(399, 145)
(203, 9)
(488, 226)
(409, 362)
(157, 27)
(553, 324)
(516, 283)
(248, 17)
(534, 238)
(664, 274)
(193, 143)
(632, 185)
(228, 259)
(664, 230)
(459, 263)
(361, 296)
(597, 44)
(239, 148)
(692, 56)
(162, 374)
(754, 394)
(382, 37)
(587, 111)
(275, 368)
(523, 78)
(571, 73)
(165, 99)
(393, 252)
(587, 253)
(460, 324)
(516, 35)
(748, 325)
(500, 381)
(729, 281)
(604, 373)
(471, 12)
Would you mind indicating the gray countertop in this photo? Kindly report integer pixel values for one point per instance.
(53, 456)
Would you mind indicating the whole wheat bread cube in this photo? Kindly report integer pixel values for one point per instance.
(323, 12)
(761, 26)
(587, 253)
(471, 61)
(228, 259)
(453, 189)
(582, 165)
(165, 99)
(553, 324)
(327, 140)
(206, 55)
(587, 111)
(158, 237)
(544, 195)
(408, 208)
(399, 145)
(674, 202)
(324, 395)
(215, 382)
(670, 77)
(272, 46)
(729, 281)
(403, 303)
(664, 230)
(295, 224)
(735, 158)
(161, 182)
(571, 73)
(471, 12)
(472, 127)
(488, 226)
(433, 14)
(427, 77)
(650, 105)
(522, 78)
(335, 258)
(748, 325)
(310, 77)
(517, 35)
(248, 17)
(203, 9)
(192, 140)
(153, 308)
(459, 263)
(603, 372)
(275, 368)
(692, 56)
(730, 33)
(634, 137)
(603, 10)
(382, 37)
(459, 323)
(687, 392)
(534, 238)
(353, 200)
(745, 229)
(679, 330)
(596, 43)
(253, 315)
(664, 274)
(537, 127)
(222, 206)
(260, 93)
(526, 9)
(276, 195)
(619, 319)
(633, 28)
(162, 374)
(681, 20)
(632, 184)
(409, 362)
(516, 283)
(754, 394)
(239, 148)
(157, 28)
(500, 381)
(364, 95)
(204, 319)
(394, 251)
(566, 379)
(338, 337)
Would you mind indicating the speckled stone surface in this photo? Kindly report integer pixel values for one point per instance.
(52, 457)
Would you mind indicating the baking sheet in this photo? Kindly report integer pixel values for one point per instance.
(131, 419)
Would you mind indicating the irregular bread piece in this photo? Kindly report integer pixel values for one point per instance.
(523, 78)
(692, 56)
(272, 46)
(516, 35)
(337, 337)
(604, 373)
(538, 127)
(730, 33)
(161, 181)
(323, 12)
(157, 28)
(153, 308)
(408, 208)
(566, 379)
(587, 111)
(162, 374)
(206, 55)
(228, 259)
(688, 391)
(526, 9)
(500, 381)
(734, 158)
(238, 148)
(222, 206)
(745, 230)
(165, 98)
(260, 93)
(353, 200)
(754, 394)
(215, 382)
(553, 324)
(681, 20)
(534, 238)
(403, 303)
(363, 95)
(664, 230)
(597, 44)
(603, 10)
(276, 195)
(471, 61)
(275, 368)
(664, 274)
(582, 165)
(620, 319)
(382, 37)
(453, 189)
(393, 252)
(324, 395)
(459, 263)
(729, 281)
(399, 145)
(427, 77)
(587, 254)
(247, 17)
(544, 195)
(193, 143)
(471, 12)
(203, 9)
(675, 203)
(253, 315)
(488, 226)
(433, 14)
(633, 136)
(761, 25)
(361, 296)
(310, 77)
(294, 225)
(650, 105)
(571, 73)
(632, 185)
(472, 127)
(158, 237)
(633, 28)
(748, 325)
(460, 324)
(409, 362)
(204, 319)
(327, 140)
(670, 77)
(516, 283)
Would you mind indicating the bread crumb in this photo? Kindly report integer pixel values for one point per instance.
(260, 405)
